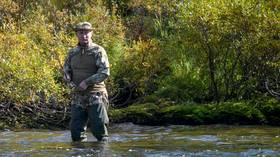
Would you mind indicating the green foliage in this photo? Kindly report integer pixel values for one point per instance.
(186, 114)
(227, 49)
(209, 50)
(240, 112)
(140, 66)
(25, 72)
(228, 113)
(35, 44)
(243, 112)
(185, 81)
(270, 109)
(137, 113)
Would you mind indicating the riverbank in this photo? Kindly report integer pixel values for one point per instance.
(266, 112)
(46, 116)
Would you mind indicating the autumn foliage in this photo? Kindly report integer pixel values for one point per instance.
(199, 51)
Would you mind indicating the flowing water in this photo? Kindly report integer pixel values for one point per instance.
(151, 141)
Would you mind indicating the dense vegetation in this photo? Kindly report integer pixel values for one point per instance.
(220, 56)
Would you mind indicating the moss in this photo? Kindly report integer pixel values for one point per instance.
(117, 115)
(237, 112)
(151, 98)
(193, 114)
(271, 110)
(136, 113)
(142, 113)
(185, 114)
(2, 126)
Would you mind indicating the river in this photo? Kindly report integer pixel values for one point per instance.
(148, 141)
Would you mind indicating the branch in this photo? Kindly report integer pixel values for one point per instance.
(272, 92)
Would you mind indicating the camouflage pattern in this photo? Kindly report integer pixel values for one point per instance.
(89, 106)
(100, 58)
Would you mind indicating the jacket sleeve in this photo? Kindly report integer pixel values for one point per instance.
(103, 71)
(67, 66)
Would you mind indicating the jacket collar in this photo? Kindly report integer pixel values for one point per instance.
(89, 46)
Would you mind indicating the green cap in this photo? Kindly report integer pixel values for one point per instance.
(83, 26)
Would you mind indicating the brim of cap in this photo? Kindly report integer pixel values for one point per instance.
(80, 29)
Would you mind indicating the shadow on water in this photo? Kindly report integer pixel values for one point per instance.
(151, 141)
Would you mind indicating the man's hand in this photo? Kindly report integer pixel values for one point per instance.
(67, 77)
(83, 86)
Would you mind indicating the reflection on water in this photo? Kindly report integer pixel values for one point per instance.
(150, 141)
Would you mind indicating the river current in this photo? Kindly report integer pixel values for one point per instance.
(148, 141)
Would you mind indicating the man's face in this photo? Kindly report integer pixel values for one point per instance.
(84, 36)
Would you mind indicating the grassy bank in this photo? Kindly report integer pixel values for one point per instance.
(196, 114)
(148, 113)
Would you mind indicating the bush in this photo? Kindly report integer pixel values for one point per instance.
(222, 50)
(237, 112)
(270, 109)
(35, 44)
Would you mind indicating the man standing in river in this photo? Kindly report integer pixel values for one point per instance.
(86, 68)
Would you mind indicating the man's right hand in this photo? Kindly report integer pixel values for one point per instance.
(67, 77)
(68, 81)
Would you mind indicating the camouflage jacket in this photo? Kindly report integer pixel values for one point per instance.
(99, 60)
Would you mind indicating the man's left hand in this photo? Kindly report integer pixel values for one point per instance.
(83, 86)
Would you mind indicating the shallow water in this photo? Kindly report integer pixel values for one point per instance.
(151, 141)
